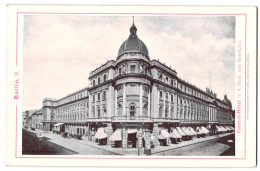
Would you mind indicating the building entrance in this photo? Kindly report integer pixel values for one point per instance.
(131, 139)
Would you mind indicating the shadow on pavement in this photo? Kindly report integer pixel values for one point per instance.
(31, 145)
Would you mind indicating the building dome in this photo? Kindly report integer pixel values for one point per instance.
(226, 100)
(133, 44)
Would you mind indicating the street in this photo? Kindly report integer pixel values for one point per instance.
(53, 144)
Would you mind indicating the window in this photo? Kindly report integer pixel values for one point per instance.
(132, 109)
(120, 71)
(98, 112)
(132, 68)
(104, 109)
(166, 112)
(171, 82)
(160, 94)
(94, 83)
(93, 97)
(171, 98)
(104, 95)
(166, 94)
(160, 111)
(167, 79)
(105, 77)
(98, 97)
(160, 76)
(99, 80)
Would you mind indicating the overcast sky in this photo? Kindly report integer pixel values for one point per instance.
(60, 51)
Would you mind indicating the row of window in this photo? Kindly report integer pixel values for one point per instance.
(132, 89)
(96, 111)
(73, 98)
(183, 88)
(99, 80)
(98, 96)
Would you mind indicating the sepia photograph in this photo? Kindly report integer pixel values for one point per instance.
(128, 85)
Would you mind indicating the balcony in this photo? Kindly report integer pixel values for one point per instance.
(99, 119)
(132, 119)
(132, 73)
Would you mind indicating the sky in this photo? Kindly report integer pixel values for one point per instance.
(61, 50)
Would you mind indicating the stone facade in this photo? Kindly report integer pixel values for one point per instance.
(134, 93)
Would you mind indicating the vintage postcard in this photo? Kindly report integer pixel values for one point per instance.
(131, 86)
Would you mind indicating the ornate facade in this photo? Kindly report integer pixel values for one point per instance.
(134, 97)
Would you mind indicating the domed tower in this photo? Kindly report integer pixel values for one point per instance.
(133, 45)
(132, 78)
(227, 101)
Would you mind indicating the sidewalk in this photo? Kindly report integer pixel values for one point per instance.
(80, 146)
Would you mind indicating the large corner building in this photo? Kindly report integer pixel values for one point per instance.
(133, 97)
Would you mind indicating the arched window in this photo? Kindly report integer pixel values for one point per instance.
(132, 109)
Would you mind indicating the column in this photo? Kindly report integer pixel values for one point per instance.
(115, 102)
(155, 134)
(149, 103)
(89, 107)
(124, 99)
(109, 133)
(124, 138)
(141, 100)
(163, 113)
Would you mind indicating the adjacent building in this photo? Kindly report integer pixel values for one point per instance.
(133, 97)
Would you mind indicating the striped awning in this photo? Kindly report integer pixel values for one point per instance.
(180, 131)
(100, 134)
(165, 133)
(58, 124)
(116, 136)
(130, 131)
(204, 130)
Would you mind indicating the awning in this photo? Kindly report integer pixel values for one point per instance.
(176, 133)
(223, 129)
(117, 136)
(187, 132)
(180, 131)
(100, 134)
(198, 130)
(161, 137)
(192, 131)
(58, 124)
(204, 130)
(130, 131)
(187, 129)
(165, 133)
